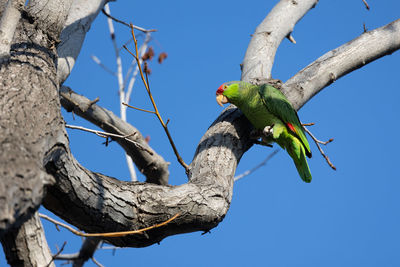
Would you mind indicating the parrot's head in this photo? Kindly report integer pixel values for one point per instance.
(227, 93)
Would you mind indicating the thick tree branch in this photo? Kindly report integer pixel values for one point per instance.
(29, 107)
(80, 17)
(27, 246)
(45, 17)
(153, 166)
(8, 24)
(336, 63)
(87, 251)
(279, 23)
(103, 204)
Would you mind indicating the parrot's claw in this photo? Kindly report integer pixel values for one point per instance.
(255, 135)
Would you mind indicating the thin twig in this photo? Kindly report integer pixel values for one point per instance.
(144, 110)
(110, 234)
(308, 124)
(364, 28)
(157, 113)
(127, 24)
(317, 142)
(105, 135)
(58, 253)
(264, 162)
(142, 51)
(366, 4)
(121, 86)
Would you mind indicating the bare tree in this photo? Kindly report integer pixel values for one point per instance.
(36, 164)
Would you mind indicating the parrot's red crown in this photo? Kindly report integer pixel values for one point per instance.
(221, 89)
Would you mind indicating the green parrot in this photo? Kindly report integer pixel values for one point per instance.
(270, 111)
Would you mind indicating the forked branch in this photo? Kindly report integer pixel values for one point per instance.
(156, 112)
(108, 135)
(318, 142)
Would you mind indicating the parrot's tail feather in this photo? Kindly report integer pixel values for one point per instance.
(302, 167)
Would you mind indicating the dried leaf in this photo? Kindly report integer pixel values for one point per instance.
(149, 54)
(162, 57)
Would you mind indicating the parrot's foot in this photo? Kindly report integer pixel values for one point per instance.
(256, 135)
(268, 131)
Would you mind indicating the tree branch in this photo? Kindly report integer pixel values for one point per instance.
(121, 86)
(153, 166)
(42, 11)
(279, 23)
(87, 251)
(29, 107)
(8, 23)
(27, 245)
(335, 64)
(80, 17)
(104, 204)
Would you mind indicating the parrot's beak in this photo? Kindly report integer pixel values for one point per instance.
(221, 100)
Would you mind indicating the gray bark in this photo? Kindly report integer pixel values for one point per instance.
(152, 165)
(279, 23)
(340, 61)
(80, 17)
(31, 124)
(104, 204)
(27, 245)
(35, 153)
(8, 24)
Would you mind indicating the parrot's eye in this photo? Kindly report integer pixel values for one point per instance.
(225, 86)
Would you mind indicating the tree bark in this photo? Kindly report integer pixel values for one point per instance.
(35, 152)
(353, 55)
(279, 23)
(27, 245)
(97, 203)
(30, 123)
(152, 165)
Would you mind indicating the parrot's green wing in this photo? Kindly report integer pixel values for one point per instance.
(278, 105)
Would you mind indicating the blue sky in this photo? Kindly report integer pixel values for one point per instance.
(348, 217)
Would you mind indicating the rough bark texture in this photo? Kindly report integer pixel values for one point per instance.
(152, 165)
(27, 245)
(97, 203)
(279, 23)
(50, 15)
(30, 123)
(8, 24)
(35, 152)
(342, 60)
